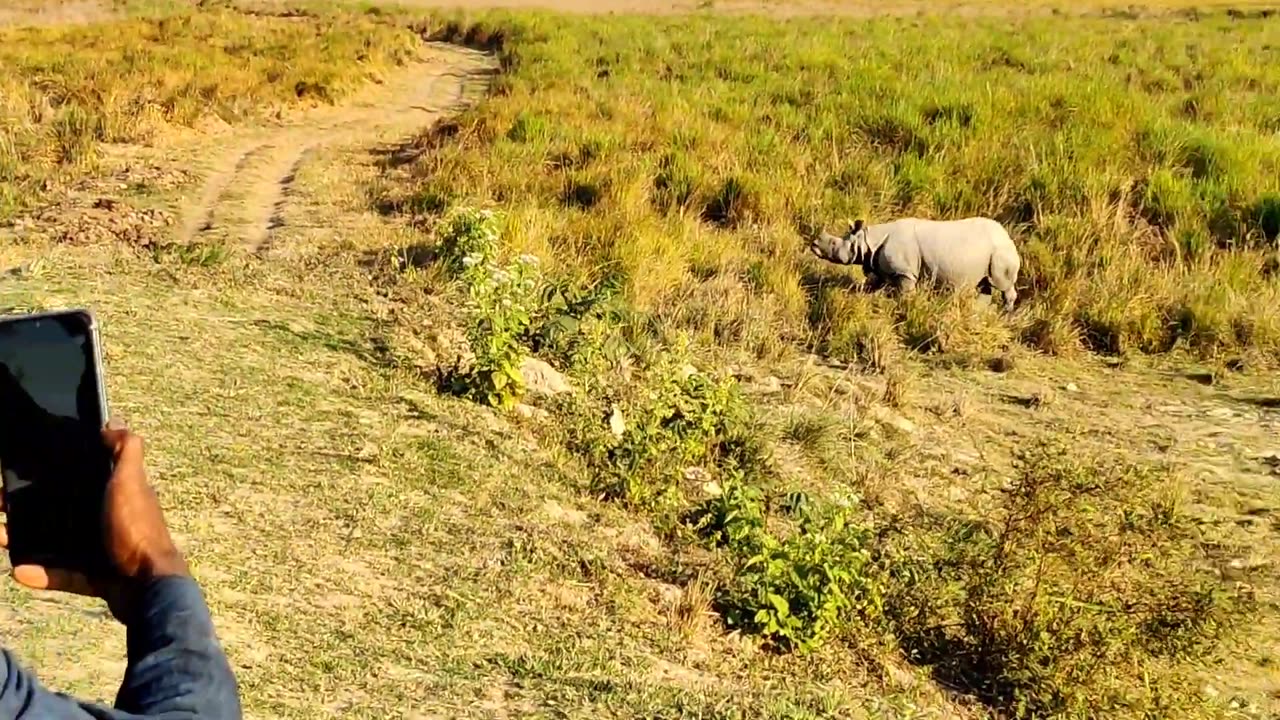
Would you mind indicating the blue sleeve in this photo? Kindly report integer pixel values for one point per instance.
(177, 670)
(176, 667)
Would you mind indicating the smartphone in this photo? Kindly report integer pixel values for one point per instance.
(53, 408)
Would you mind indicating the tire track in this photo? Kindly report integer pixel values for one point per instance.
(245, 198)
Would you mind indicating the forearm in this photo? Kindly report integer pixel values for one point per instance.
(22, 696)
(176, 666)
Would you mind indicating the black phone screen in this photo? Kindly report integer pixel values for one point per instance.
(52, 456)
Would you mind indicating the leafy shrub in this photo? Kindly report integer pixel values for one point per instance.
(581, 327)
(675, 418)
(501, 300)
(1079, 598)
(799, 591)
(734, 518)
(694, 420)
(469, 240)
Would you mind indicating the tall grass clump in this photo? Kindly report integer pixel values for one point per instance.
(1132, 158)
(1088, 593)
(66, 90)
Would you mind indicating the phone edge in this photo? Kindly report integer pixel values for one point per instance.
(95, 339)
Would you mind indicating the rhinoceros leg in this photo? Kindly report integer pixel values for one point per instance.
(904, 284)
(1010, 295)
(985, 291)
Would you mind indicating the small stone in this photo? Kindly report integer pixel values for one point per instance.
(529, 412)
(694, 473)
(767, 386)
(617, 425)
(540, 377)
(892, 419)
(686, 371)
(1221, 413)
(1071, 387)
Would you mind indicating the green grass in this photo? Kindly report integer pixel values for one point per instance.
(68, 90)
(1134, 160)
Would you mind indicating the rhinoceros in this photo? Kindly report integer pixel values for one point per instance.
(961, 253)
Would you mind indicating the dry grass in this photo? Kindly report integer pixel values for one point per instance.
(68, 90)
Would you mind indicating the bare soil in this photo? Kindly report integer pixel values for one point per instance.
(52, 12)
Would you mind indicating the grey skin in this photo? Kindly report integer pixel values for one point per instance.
(974, 252)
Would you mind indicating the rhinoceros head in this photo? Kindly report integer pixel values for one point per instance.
(839, 250)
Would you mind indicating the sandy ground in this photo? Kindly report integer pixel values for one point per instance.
(46, 12)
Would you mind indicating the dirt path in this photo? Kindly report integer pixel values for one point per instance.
(55, 12)
(244, 197)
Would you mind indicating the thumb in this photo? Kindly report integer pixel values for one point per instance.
(38, 577)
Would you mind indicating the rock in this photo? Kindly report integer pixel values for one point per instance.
(694, 473)
(686, 370)
(541, 378)
(1071, 387)
(767, 386)
(530, 412)
(887, 417)
(1002, 363)
(617, 425)
(1221, 413)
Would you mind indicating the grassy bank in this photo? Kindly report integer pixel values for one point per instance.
(687, 159)
(67, 90)
(787, 520)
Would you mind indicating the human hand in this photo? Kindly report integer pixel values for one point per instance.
(135, 537)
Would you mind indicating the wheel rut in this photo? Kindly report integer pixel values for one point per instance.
(245, 198)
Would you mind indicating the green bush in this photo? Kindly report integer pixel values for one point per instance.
(733, 518)
(801, 590)
(501, 302)
(581, 327)
(679, 421)
(674, 419)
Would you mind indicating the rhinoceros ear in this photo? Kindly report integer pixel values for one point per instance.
(855, 227)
